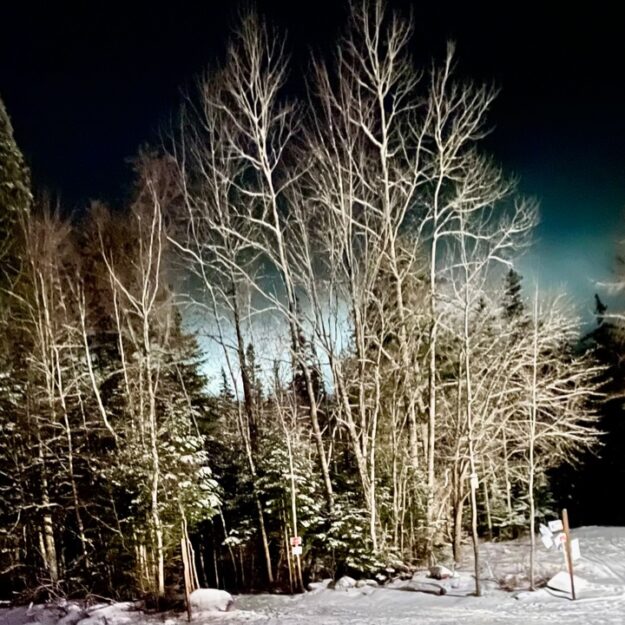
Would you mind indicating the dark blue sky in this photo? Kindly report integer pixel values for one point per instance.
(87, 86)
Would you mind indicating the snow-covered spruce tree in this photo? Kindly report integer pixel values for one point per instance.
(16, 463)
(287, 480)
(15, 202)
(15, 194)
(226, 537)
(211, 238)
(159, 463)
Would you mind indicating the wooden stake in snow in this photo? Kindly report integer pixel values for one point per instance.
(191, 581)
(187, 575)
(567, 548)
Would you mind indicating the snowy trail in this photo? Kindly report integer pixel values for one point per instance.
(601, 597)
(604, 551)
(601, 594)
(384, 607)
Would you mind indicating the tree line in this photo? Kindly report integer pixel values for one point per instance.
(347, 258)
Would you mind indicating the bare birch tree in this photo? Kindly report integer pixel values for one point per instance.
(556, 417)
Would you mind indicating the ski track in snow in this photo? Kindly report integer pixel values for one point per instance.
(601, 596)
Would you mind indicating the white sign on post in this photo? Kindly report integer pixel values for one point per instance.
(545, 531)
(556, 526)
(297, 550)
(559, 540)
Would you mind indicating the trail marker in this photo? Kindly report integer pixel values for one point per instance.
(563, 542)
(568, 550)
(556, 526)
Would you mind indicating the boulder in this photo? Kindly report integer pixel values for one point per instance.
(345, 583)
(362, 583)
(438, 571)
(210, 600)
(320, 585)
(428, 588)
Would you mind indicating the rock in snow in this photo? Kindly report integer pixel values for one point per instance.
(438, 571)
(344, 583)
(322, 585)
(210, 600)
(361, 583)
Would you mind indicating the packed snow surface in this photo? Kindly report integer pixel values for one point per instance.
(599, 581)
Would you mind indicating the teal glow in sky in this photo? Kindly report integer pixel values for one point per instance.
(582, 218)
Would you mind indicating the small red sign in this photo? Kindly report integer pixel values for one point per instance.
(296, 541)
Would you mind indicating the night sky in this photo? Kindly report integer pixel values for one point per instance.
(85, 87)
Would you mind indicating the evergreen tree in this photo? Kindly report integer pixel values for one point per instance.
(256, 393)
(254, 371)
(15, 192)
(587, 489)
(513, 306)
(600, 309)
(309, 360)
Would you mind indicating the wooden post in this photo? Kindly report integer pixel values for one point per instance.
(300, 579)
(195, 582)
(568, 550)
(287, 548)
(187, 575)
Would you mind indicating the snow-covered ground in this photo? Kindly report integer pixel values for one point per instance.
(600, 585)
